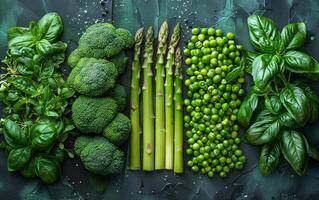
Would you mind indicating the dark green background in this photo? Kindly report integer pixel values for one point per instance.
(229, 15)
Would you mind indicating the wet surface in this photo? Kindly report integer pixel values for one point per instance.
(229, 15)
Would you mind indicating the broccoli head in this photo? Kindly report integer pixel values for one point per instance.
(98, 155)
(118, 93)
(120, 61)
(104, 41)
(92, 114)
(118, 130)
(93, 77)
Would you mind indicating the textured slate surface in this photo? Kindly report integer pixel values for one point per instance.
(230, 15)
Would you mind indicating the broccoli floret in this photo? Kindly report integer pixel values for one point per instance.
(118, 93)
(93, 77)
(92, 114)
(98, 155)
(104, 41)
(120, 61)
(126, 36)
(118, 130)
(74, 58)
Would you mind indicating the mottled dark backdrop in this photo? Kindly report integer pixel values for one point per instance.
(230, 15)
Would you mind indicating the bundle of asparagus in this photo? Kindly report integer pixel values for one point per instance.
(168, 126)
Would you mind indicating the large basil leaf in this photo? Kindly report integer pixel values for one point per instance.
(269, 158)
(43, 136)
(299, 62)
(273, 104)
(16, 31)
(13, 134)
(263, 34)
(47, 168)
(23, 84)
(28, 170)
(286, 119)
(265, 68)
(18, 158)
(263, 131)
(294, 149)
(18, 42)
(296, 102)
(50, 26)
(247, 108)
(293, 35)
(234, 73)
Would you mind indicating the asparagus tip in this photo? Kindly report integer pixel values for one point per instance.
(163, 33)
(139, 36)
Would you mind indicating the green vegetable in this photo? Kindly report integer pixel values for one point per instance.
(215, 74)
(159, 99)
(91, 115)
(101, 41)
(118, 130)
(118, 93)
(178, 114)
(285, 100)
(98, 155)
(135, 104)
(93, 77)
(148, 114)
(169, 104)
(35, 98)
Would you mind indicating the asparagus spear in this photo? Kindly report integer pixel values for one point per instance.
(159, 107)
(148, 114)
(178, 117)
(169, 128)
(135, 100)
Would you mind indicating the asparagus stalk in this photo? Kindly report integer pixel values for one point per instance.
(178, 117)
(159, 107)
(135, 154)
(169, 124)
(148, 114)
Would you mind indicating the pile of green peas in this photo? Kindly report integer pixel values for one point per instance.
(212, 103)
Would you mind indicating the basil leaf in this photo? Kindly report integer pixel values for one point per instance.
(263, 34)
(269, 158)
(34, 28)
(294, 149)
(310, 92)
(13, 134)
(58, 47)
(299, 62)
(313, 153)
(23, 84)
(43, 47)
(47, 168)
(18, 42)
(273, 104)
(293, 35)
(59, 154)
(287, 120)
(263, 131)
(265, 68)
(234, 73)
(16, 31)
(18, 158)
(24, 70)
(43, 136)
(50, 26)
(247, 108)
(28, 170)
(296, 102)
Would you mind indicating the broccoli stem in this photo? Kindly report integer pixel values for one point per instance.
(169, 121)
(159, 100)
(148, 114)
(178, 117)
(135, 154)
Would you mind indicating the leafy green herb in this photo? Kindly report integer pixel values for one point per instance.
(269, 158)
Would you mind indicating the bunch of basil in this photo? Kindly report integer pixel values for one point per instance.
(280, 101)
(35, 97)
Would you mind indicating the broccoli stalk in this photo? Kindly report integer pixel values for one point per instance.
(148, 114)
(169, 123)
(178, 117)
(159, 100)
(135, 157)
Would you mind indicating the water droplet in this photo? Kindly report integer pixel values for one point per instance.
(312, 38)
(85, 11)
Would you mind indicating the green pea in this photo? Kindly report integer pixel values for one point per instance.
(219, 32)
(195, 31)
